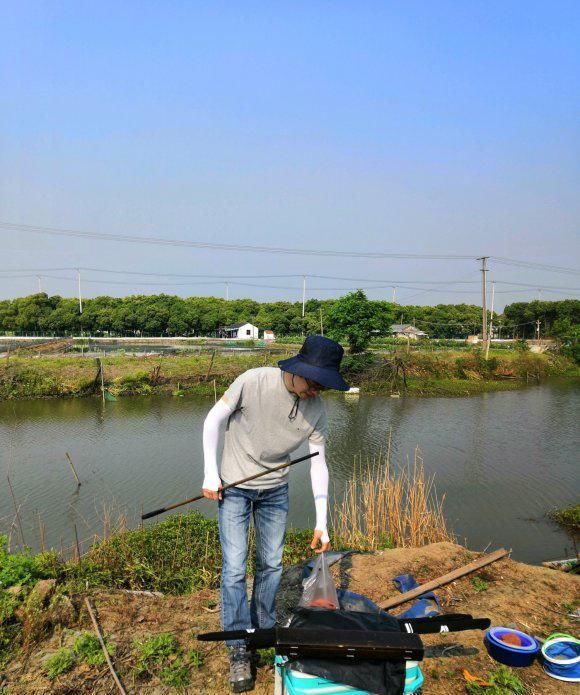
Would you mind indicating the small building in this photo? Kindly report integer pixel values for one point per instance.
(473, 339)
(269, 335)
(407, 330)
(239, 331)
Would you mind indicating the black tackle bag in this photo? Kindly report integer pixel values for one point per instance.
(381, 677)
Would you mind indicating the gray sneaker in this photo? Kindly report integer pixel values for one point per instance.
(241, 677)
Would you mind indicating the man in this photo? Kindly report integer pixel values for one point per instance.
(269, 412)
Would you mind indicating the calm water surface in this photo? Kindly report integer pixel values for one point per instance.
(503, 460)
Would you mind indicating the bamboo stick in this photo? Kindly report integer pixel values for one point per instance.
(104, 647)
(17, 510)
(73, 468)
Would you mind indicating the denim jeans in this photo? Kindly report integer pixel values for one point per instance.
(269, 509)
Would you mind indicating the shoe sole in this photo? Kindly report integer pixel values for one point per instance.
(242, 686)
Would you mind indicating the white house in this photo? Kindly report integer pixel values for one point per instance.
(240, 331)
(406, 330)
(269, 335)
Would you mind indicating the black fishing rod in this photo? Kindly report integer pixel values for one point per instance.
(355, 645)
(148, 515)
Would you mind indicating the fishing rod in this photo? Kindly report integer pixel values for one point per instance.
(148, 515)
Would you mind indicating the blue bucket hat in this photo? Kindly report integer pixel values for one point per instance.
(318, 360)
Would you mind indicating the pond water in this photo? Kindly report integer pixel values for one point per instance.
(502, 460)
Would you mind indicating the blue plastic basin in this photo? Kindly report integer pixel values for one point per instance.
(510, 654)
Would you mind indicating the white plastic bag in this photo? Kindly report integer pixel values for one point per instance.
(319, 590)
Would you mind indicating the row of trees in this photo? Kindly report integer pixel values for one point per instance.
(169, 315)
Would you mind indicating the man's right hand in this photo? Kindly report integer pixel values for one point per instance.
(214, 495)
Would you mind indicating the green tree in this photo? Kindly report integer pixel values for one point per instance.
(353, 318)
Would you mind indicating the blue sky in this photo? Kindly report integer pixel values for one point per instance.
(401, 127)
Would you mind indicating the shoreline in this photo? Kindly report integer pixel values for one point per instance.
(441, 374)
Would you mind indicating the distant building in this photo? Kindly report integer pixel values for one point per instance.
(269, 335)
(406, 330)
(239, 331)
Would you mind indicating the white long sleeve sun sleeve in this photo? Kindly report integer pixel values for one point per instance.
(319, 479)
(211, 431)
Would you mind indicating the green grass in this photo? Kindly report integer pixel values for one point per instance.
(479, 584)
(88, 649)
(61, 662)
(504, 682)
(570, 517)
(161, 655)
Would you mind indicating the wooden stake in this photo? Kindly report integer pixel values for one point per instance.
(73, 468)
(214, 392)
(17, 510)
(210, 365)
(446, 578)
(104, 647)
(78, 544)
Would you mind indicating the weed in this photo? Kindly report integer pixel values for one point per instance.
(195, 658)
(375, 499)
(23, 568)
(175, 674)
(88, 649)
(570, 518)
(268, 656)
(60, 662)
(479, 584)
(504, 682)
(161, 655)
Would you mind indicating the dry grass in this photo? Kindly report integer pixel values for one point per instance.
(381, 508)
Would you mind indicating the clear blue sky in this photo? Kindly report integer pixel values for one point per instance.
(411, 126)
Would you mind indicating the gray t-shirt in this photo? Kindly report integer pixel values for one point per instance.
(260, 433)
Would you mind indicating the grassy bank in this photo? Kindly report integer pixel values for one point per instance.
(421, 374)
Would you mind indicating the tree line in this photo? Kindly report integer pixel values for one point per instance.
(149, 315)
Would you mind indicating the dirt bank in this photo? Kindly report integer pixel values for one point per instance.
(533, 599)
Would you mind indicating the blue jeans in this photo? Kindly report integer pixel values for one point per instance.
(270, 509)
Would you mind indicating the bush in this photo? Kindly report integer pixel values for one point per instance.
(24, 568)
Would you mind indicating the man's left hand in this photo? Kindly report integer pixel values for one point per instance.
(316, 539)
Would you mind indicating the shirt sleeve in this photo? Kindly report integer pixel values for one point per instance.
(233, 397)
(320, 432)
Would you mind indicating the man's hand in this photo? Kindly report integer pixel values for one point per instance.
(316, 539)
(214, 495)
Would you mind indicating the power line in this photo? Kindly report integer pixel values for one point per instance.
(135, 239)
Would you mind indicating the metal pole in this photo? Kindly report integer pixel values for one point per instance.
(303, 295)
(321, 326)
(39, 284)
(227, 291)
(394, 294)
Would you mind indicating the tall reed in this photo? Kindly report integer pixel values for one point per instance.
(383, 508)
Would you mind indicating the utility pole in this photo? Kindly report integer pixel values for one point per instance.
(490, 320)
(227, 291)
(39, 284)
(80, 296)
(483, 260)
(303, 295)
(537, 329)
(321, 326)
(394, 294)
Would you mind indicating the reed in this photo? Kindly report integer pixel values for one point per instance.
(382, 508)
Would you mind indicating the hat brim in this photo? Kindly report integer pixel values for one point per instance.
(329, 378)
